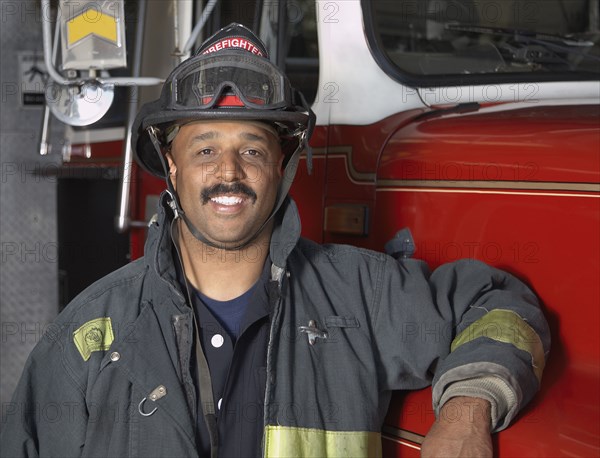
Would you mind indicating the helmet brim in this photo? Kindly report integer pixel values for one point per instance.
(147, 157)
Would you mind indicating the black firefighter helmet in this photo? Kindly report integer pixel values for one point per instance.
(230, 77)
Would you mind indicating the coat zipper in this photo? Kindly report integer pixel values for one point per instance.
(277, 275)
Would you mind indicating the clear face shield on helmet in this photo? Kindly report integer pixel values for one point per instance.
(231, 79)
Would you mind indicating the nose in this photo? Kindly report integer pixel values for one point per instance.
(230, 168)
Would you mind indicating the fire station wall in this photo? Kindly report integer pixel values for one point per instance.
(28, 230)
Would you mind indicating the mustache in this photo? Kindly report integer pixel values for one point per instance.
(221, 188)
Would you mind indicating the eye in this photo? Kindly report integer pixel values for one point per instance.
(251, 152)
(204, 152)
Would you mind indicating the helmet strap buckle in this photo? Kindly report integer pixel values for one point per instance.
(173, 198)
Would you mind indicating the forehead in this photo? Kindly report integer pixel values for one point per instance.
(227, 130)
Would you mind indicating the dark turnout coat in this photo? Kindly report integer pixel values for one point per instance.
(122, 348)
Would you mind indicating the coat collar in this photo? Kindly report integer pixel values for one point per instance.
(158, 247)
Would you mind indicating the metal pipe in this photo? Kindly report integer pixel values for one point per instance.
(257, 15)
(125, 81)
(176, 27)
(281, 18)
(59, 79)
(594, 15)
(199, 26)
(44, 146)
(122, 220)
(47, 40)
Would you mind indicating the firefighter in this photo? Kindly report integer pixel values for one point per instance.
(234, 336)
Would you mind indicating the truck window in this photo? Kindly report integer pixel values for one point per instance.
(289, 29)
(441, 42)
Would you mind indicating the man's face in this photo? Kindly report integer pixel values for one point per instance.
(226, 175)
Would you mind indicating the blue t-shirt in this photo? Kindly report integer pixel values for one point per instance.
(229, 313)
(238, 372)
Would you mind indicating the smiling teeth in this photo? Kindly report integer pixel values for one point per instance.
(227, 200)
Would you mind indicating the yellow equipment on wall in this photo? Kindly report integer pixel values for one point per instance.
(92, 34)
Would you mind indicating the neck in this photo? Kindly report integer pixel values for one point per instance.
(223, 274)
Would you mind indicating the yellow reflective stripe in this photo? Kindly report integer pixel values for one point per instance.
(92, 21)
(286, 441)
(95, 335)
(506, 326)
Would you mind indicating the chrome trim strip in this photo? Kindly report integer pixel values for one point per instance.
(476, 191)
(397, 433)
(507, 185)
(466, 186)
(356, 177)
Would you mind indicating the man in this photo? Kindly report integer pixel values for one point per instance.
(234, 336)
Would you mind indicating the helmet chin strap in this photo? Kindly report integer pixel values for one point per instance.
(288, 178)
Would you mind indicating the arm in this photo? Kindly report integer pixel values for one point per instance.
(475, 330)
(500, 341)
(462, 429)
(47, 415)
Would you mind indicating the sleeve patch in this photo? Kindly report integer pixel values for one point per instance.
(95, 335)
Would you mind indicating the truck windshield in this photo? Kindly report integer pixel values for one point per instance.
(444, 41)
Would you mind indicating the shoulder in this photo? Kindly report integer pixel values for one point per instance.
(333, 261)
(106, 305)
(112, 290)
(310, 249)
(359, 265)
(85, 329)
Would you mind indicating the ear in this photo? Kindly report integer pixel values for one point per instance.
(172, 169)
(278, 159)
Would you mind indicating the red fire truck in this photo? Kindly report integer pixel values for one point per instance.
(475, 124)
